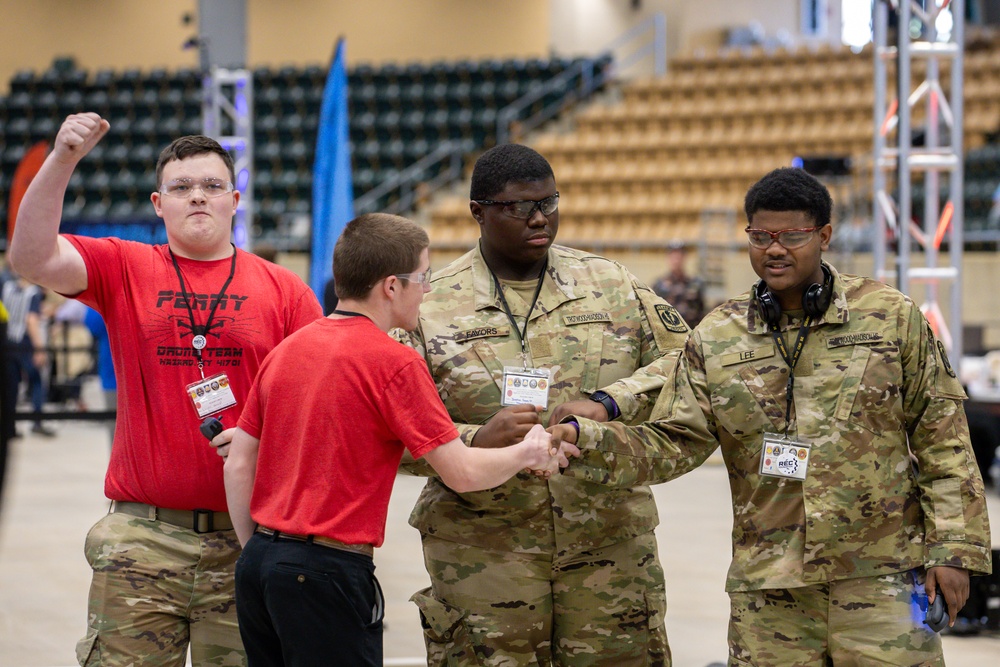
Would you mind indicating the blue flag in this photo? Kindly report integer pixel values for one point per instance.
(332, 189)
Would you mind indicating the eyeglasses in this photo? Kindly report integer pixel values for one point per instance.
(183, 187)
(422, 278)
(788, 238)
(524, 208)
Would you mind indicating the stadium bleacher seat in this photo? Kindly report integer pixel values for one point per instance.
(399, 114)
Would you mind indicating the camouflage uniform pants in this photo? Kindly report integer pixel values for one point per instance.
(854, 622)
(599, 608)
(155, 588)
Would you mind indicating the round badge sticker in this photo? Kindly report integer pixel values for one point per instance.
(788, 464)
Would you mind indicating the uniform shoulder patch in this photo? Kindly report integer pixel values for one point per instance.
(671, 319)
(944, 359)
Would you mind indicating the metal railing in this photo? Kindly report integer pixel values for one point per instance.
(587, 76)
(655, 27)
(579, 81)
(647, 39)
(411, 182)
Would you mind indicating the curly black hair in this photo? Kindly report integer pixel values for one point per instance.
(790, 189)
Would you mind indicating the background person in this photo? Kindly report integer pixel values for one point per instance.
(77, 312)
(25, 341)
(539, 571)
(194, 309)
(684, 292)
(312, 465)
(818, 386)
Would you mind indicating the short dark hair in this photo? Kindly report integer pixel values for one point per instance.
(507, 163)
(192, 146)
(372, 247)
(790, 189)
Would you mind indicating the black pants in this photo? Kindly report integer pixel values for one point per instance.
(306, 605)
(21, 365)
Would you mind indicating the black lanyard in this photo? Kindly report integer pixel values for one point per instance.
(348, 313)
(800, 343)
(199, 335)
(522, 335)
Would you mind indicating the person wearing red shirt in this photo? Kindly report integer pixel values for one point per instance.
(311, 467)
(190, 323)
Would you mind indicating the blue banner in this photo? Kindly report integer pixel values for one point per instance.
(333, 190)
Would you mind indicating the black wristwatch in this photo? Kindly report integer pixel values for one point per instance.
(609, 404)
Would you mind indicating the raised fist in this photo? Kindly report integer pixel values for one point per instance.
(79, 133)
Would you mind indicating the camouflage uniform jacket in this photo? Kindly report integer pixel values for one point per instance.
(596, 327)
(871, 380)
(685, 293)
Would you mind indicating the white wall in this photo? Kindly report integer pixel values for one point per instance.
(584, 26)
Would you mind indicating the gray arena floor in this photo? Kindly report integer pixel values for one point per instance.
(55, 493)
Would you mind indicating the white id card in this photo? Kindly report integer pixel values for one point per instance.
(526, 386)
(211, 395)
(781, 457)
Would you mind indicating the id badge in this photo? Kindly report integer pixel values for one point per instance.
(526, 386)
(784, 458)
(211, 395)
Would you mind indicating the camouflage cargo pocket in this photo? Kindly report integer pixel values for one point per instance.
(656, 612)
(446, 634)
(86, 650)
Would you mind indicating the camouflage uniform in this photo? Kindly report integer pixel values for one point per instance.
(685, 293)
(871, 380)
(595, 326)
(195, 603)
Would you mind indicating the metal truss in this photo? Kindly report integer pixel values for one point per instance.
(940, 156)
(227, 116)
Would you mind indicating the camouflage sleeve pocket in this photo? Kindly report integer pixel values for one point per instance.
(949, 518)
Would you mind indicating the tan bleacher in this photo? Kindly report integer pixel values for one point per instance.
(640, 173)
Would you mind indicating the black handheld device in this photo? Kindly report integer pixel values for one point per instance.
(937, 615)
(211, 427)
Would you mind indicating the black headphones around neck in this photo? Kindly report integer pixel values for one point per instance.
(815, 300)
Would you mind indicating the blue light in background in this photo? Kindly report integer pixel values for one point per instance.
(240, 236)
(242, 178)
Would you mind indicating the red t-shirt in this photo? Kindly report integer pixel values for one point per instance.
(333, 407)
(159, 455)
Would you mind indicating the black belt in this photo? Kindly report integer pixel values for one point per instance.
(328, 542)
(200, 521)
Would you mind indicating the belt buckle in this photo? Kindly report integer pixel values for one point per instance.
(209, 521)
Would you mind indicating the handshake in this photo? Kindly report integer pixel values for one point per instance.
(548, 450)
